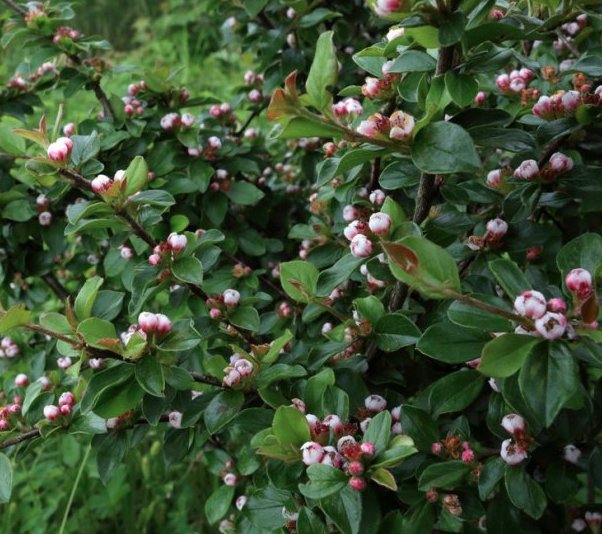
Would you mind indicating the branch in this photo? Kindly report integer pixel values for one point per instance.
(17, 8)
(19, 438)
(205, 379)
(137, 228)
(55, 285)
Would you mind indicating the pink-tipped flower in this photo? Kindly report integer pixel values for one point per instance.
(551, 325)
(361, 246)
(60, 151)
(527, 170)
(514, 424)
(357, 484)
(101, 183)
(154, 259)
(215, 313)
(368, 449)
(69, 129)
(494, 178)
(544, 107)
(480, 98)
(334, 422)
(380, 223)
(65, 409)
(436, 448)
(503, 82)
(51, 412)
(355, 468)
(244, 367)
(148, 322)
(560, 163)
(312, 453)
(45, 218)
(517, 85)
(67, 398)
(376, 125)
(375, 403)
(377, 197)
(230, 479)
(511, 453)
(386, 8)
(530, 304)
(313, 422)
(354, 228)
(579, 282)
(402, 125)
(497, 228)
(231, 298)
(468, 456)
(177, 242)
(21, 380)
(164, 324)
(571, 100)
(557, 305)
(232, 378)
(170, 121)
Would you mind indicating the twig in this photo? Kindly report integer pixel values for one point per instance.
(250, 118)
(137, 228)
(20, 10)
(374, 174)
(30, 434)
(55, 285)
(205, 379)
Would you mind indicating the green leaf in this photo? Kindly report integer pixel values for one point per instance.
(137, 176)
(395, 331)
(504, 355)
(245, 193)
(222, 409)
(337, 274)
(443, 475)
(95, 330)
(548, 381)
(384, 477)
(245, 317)
(309, 523)
(584, 251)
(218, 503)
(324, 480)
(18, 315)
(152, 197)
(423, 265)
(468, 316)
(419, 425)
(444, 148)
(85, 147)
(323, 73)
(315, 391)
(84, 302)
(491, 474)
(101, 381)
(413, 61)
(118, 399)
(302, 127)
(454, 392)
(290, 427)
(379, 431)
(461, 87)
(400, 448)
(275, 347)
(450, 343)
(509, 276)
(452, 28)
(526, 494)
(110, 451)
(149, 374)
(18, 210)
(188, 270)
(344, 509)
(370, 308)
(298, 279)
(6, 478)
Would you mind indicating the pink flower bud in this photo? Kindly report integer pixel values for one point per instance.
(232, 378)
(334, 422)
(299, 404)
(255, 96)
(579, 282)
(368, 449)
(312, 453)
(128, 109)
(375, 403)
(514, 424)
(170, 121)
(517, 85)
(126, 252)
(177, 242)
(355, 468)
(380, 223)
(530, 304)
(375, 125)
(312, 421)
(402, 125)
(571, 454)
(480, 98)
(148, 322)
(154, 259)
(560, 163)
(364, 424)
(69, 129)
(59, 151)
(497, 228)
(45, 218)
(215, 313)
(357, 484)
(163, 324)
(214, 142)
(326, 327)
(436, 448)
(51, 412)
(350, 213)
(468, 456)
(544, 107)
(96, 363)
(345, 441)
(355, 228)
(244, 367)
(187, 120)
(67, 398)
(551, 325)
(511, 453)
(557, 305)
(65, 409)
(571, 100)
(377, 197)
(101, 183)
(231, 297)
(503, 82)
(386, 8)
(64, 363)
(527, 170)
(21, 380)
(133, 89)
(361, 246)
(494, 178)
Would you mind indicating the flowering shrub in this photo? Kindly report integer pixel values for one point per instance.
(377, 313)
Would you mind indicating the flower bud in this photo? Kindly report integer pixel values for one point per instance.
(345, 441)
(215, 313)
(299, 404)
(170, 121)
(386, 8)
(177, 242)
(377, 197)
(101, 183)
(570, 100)
(380, 223)
(497, 228)
(560, 163)
(527, 170)
(244, 367)
(551, 325)
(365, 423)
(368, 449)
(148, 322)
(361, 246)
(231, 297)
(64, 363)
(511, 453)
(357, 483)
(468, 456)
(579, 282)
(514, 424)
(240, 502)
(334, 422)
(65, 409)
(214, 142)
(163, 324)
(67, 398)
(355, 468)
(494, 178)
(557, 305)
(530, 304)
(154, 259)
(312, 453)
(402, 125)
(69, 129)
(312, 421)
(571, 454)
(480, 98)
(21, 380)
(51, 412)
(255, 96)
(187, 120)
(232, 378)
(375, 403)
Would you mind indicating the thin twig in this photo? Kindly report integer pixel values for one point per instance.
(206, 379)
(19, 438)
(55, 285)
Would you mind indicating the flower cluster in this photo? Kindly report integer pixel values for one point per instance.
(168, 249)
(399, 126)
(239, 372)
(8, 348)
(151, 323)
(65, 405)
(514, 449)
(60, 150)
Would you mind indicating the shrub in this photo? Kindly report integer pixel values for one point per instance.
(378, 313)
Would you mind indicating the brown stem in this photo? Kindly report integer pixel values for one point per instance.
(30, 434)
(15, 7)
(55, 335)
(137, 228)
(205, 379)
(55, 285)
(550, 150)
(250, 118)
(333, 311)
(77, 179)
(374, 174)
(263, 278)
